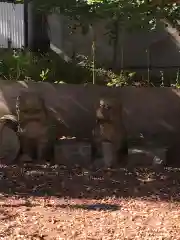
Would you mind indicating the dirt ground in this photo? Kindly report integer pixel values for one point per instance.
(54, 202)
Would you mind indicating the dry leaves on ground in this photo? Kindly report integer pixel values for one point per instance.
(58, 203)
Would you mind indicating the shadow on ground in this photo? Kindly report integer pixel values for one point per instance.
(83, 206)
(61, 181)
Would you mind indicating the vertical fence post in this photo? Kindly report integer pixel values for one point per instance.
(25, 5)
(9, 42)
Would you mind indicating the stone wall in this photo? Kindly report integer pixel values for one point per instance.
(162, 45)
(152, 112)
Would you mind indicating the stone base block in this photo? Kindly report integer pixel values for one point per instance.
(70, 152)
(146, 156)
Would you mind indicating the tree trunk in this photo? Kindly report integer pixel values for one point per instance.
(38, 30)
(115, 43)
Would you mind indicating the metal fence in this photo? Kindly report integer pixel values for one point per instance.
(11, 25)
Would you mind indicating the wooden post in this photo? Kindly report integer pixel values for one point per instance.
(37, 30)
(25, 24)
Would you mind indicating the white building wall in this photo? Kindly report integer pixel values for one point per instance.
(11, 24)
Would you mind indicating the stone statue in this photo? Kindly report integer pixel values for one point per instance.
(9, 141)
(109, 135)
(36, 132)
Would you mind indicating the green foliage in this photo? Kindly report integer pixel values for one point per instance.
(44, 74)
(14, 65)
(121, 80)
(131, 13)
(21, 65)
(177, 82)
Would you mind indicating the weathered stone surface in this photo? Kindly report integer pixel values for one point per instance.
(24, 158)
(71, 152)
(145, 156)
(9, 141)
(9, 145)
(158, 108)
(108, 153)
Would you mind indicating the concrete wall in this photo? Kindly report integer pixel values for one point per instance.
(153, 112)
(163, 47)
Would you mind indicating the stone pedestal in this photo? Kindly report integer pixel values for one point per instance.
(71, 151)
(146, 156)
(9, 145)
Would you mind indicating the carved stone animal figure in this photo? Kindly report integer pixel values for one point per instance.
(10, 121)
(9, 141)
(35, 131)
(109, 136)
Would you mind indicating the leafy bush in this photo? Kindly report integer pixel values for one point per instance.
(21, 65)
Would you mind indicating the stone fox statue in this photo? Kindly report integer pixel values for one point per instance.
(109, 136)
(36, 134)
(9, 142)
(10, 121)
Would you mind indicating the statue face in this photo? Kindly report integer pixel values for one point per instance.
(110, 109)
(106, 104)
(105, 109)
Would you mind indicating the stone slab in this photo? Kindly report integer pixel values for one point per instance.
(147, 156)
(73, 152)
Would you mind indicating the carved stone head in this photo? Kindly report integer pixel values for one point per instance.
(109, 109)
(30, 101)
